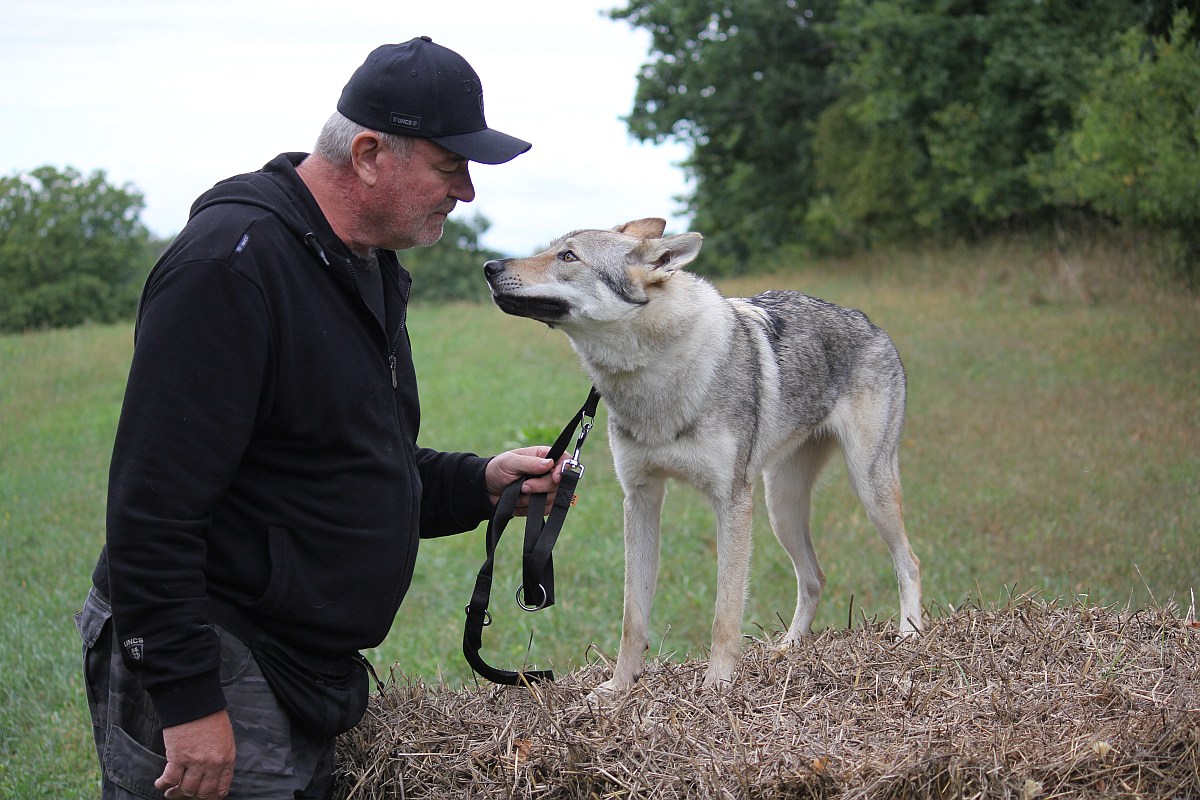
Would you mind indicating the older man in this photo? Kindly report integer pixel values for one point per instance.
(267, 491)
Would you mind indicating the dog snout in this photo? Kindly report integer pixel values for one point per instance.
(494, 267)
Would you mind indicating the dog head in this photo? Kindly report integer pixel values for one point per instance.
(592, 276)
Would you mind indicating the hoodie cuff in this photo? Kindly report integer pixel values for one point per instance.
(187, 700)
(483, 507)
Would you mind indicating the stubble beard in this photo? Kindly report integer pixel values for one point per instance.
(431, 232)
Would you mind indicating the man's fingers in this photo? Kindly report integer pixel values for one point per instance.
(188, 786)
(170, 779)
(198, 784)
(201, 755)
(544, 483)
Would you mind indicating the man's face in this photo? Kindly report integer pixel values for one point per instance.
(414, 196)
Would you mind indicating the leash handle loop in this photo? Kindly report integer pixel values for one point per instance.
(540, 537)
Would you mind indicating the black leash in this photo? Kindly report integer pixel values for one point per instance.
(537, 574)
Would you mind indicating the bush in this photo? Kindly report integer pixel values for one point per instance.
(72, 301)
(72, 249)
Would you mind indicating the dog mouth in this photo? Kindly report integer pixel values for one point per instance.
(542, 309)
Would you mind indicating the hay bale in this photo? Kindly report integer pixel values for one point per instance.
(1030, 700)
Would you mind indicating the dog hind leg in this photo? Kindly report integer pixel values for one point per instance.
(789, 484)
(873, 463)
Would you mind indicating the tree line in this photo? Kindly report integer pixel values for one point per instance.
(838, 125)
(824, 127)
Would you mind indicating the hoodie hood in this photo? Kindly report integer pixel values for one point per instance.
(279, 189)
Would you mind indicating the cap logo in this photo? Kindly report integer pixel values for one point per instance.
(406, 121)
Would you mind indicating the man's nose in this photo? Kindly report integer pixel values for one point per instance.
(464, 188)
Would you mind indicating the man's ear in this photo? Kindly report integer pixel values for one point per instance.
(365, 150)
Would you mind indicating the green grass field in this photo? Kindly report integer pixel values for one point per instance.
(1052, 444)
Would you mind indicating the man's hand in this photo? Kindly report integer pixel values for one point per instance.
(508, 466)
(200, 758)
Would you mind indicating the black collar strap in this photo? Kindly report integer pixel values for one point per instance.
(537, 575)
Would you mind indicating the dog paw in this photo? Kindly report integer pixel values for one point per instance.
(717, 680)
(788, 642)
(778, 652)
(608, 691)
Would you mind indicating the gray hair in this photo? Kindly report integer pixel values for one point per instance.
(333, 144)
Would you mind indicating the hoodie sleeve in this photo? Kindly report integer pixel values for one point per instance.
(454, 496)
(193, 395)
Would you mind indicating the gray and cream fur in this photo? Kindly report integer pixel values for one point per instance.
(715, 391)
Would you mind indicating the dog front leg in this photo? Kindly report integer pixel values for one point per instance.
(643, 513)
(733, 574)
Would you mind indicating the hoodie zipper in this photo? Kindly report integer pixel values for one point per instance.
(406, 570)
(391, 348)
(388, 346)
(413, 493)
(314, 244)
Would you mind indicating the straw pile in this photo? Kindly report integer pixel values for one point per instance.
(1033, 699)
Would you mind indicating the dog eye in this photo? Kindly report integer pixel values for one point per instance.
(568, 256)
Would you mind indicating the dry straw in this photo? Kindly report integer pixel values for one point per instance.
(1033, 699)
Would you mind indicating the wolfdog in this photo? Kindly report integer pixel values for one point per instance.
(714, 391)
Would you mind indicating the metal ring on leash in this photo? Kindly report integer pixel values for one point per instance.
(521, 599)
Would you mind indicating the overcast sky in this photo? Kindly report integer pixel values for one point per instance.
(174, 95)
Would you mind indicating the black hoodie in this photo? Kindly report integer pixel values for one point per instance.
(266, 453)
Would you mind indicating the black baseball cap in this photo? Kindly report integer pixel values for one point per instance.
(422, 89)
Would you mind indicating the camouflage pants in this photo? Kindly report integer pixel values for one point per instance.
(274, 759)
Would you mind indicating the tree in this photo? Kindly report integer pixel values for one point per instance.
(1162, 18)
(1135, 153)
(452, 269)
(72, 249)
(741, 84)
(842, 124)
(959, 104)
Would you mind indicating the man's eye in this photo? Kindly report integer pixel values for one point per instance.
(568, 256)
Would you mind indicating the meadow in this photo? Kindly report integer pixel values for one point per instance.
(1052, 445)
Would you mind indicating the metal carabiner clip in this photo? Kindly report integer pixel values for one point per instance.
(573, 464)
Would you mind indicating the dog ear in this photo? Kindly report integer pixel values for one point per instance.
(648, 228)
(663, 257)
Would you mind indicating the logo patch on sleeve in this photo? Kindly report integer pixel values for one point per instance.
(135, 648)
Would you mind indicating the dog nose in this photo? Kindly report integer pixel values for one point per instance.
(493, 268)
